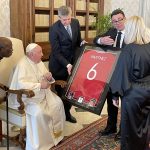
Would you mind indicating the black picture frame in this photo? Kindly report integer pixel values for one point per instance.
(89, 82)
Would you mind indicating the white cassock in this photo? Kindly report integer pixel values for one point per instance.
(45, 116)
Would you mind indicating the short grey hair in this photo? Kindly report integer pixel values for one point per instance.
(64, 11)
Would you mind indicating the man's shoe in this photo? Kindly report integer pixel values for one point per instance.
(108, 131)
(117, 136)
(71, 119)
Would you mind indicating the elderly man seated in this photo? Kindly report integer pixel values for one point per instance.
(45, 116)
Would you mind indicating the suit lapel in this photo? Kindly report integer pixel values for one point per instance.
(72, 28)
(64, 31)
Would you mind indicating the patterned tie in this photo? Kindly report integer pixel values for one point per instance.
(118, 40)
(69, 31)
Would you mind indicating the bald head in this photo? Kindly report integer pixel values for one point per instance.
(5, 47)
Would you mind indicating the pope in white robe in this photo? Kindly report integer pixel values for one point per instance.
(45, 116)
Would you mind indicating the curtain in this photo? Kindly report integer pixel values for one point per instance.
(144, 11)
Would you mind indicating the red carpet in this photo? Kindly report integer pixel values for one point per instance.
(89, 139)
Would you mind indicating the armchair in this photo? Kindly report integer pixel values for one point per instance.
(15, 117)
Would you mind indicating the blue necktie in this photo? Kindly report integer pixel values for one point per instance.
(69, 31)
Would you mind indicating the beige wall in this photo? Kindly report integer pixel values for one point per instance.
(4, 18)
(130, 7)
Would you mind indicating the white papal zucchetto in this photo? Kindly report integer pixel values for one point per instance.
(30, 47)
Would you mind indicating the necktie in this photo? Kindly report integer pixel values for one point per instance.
(118, 40)
(69, 31)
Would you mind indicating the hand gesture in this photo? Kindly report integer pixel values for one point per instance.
(107, 40)
(83, 42)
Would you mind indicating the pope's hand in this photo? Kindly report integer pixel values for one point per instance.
(45, 84)
(47, 76)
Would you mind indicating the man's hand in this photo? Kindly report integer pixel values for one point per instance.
(116, 102)
(107, 40)
(83, 42)
(69, 69)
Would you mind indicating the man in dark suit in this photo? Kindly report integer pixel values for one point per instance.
(65, 38)
(113, 39)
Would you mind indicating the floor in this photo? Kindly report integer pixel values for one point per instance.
(83, 118)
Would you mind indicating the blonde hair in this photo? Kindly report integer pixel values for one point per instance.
(136, 31)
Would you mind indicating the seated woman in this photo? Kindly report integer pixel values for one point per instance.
(132, 75)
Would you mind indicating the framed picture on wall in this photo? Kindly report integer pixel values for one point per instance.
(88, 85)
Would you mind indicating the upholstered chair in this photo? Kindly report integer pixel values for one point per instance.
(14, 117)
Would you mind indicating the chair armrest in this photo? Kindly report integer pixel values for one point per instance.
(3, 87)
(61, 83)
(19, 93)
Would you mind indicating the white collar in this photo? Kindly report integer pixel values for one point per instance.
(123, 31)
(67, 26)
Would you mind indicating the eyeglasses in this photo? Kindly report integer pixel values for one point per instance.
(117, 21)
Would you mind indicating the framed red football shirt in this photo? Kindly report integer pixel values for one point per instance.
(88, 85)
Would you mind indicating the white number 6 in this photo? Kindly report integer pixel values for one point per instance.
(90, 71)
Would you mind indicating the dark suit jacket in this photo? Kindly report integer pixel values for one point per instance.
(112, 32)
(63, 48)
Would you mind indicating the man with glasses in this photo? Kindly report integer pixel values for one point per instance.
(113, 39)
(109, 39)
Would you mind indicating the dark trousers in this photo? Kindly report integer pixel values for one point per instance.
(61, 93)
(112, 112)
(67, 105)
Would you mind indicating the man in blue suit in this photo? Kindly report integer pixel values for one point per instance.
(65, 38)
